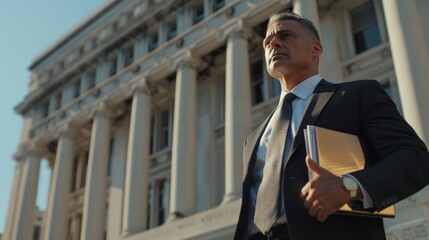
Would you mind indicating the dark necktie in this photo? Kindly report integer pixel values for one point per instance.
(268, 200)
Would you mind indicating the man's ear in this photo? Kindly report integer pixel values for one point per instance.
(317, 48)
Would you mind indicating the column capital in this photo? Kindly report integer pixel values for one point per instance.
(102, 109)
(239, 29)
(66, 129)
(189, 60)
(141, 85)
(30, 148)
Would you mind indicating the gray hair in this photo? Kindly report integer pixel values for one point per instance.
(288, 15)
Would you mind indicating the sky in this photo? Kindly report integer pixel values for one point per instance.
(27, 28)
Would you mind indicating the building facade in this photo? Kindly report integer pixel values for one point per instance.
(142, 109)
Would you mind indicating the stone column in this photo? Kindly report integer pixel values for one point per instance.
(138, 163)
(11, 213)
(46, 213)
(57, 210)
(411, 59)
(95, 190)
(182, 192)
(238, 115)
(308, 9)
(117, 180)
(26, 199)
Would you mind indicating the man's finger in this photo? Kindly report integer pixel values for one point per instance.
(304, 191)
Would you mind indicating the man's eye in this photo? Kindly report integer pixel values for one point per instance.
(285, 35)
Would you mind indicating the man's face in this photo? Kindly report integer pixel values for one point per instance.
(290, 49)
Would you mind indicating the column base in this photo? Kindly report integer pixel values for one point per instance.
(230, 197)
(129, 232)
(175, 216)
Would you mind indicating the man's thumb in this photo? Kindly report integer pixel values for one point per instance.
(312, 165)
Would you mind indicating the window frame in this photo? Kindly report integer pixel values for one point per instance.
(346, 25)
(154, 204)
(157, 139)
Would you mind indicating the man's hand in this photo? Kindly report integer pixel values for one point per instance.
(324, 194)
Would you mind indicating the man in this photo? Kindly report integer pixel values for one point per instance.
(397, 161)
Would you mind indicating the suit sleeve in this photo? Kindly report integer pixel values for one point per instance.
(398, 163)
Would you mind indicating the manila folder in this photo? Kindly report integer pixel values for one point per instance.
(340, 153)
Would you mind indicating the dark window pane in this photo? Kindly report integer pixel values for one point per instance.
(198, 14)
(84, 168)
(152, 134)
(153, 42)
(113, 66)
(172, 31)
(128, 56)
(165, 130)
(149, 206)
(366, 32)
(257, 82)
(161, 207)
(368, 38)
(218, 4)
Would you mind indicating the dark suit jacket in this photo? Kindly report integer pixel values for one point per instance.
(397, 161)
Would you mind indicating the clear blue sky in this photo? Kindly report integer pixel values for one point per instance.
(27, 28)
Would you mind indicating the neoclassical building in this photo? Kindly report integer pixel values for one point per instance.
(141, 111)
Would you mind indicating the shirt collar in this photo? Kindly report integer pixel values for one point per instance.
(305, 88)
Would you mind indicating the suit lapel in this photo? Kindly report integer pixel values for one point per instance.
(317, 102)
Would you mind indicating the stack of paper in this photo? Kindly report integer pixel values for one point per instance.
(340, 153)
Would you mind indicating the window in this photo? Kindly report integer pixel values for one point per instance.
(149, 207)
(263, 86)
(57, 101)
(128, 56)
(257, 84)
(113, 65)
(160, 131)
(218, 4)
(76, 89)
(91, 79)
(366, 31)
(74, 174)
(84, 168)
(165, 129)
(198, 13)
(153, 42)
(171, 30)
(44, 109)
(109, 166)
(37, 232)
(162, 201)
(152, 133)
(158, 201)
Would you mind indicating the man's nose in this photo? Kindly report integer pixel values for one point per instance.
(275, 42)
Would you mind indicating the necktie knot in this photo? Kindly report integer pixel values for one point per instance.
(289, 97)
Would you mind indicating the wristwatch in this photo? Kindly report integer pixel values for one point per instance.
(350, 185)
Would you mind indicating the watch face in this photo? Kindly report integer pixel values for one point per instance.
(349, 183)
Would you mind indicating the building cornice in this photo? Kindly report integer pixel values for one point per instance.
(199, 40)
(106, 7)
